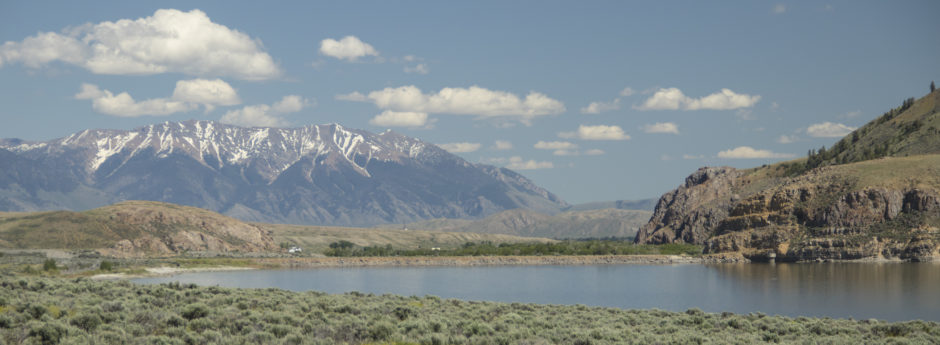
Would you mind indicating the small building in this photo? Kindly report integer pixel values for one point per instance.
(295, 250)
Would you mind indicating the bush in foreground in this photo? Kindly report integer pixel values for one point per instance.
(39, 310)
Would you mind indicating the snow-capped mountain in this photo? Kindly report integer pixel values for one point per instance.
(324, 174)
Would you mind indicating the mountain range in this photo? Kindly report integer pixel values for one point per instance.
(318, 174)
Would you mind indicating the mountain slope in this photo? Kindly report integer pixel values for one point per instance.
(835, 204)
(571, 224)
(325, 174)
(133, 228)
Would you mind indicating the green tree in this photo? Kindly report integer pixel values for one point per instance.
(49, 265)
(932, 87)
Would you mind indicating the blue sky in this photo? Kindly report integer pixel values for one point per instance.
(596, 101)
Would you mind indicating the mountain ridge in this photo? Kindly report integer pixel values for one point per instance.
(316, 174)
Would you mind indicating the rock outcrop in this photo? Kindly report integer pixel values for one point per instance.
(689, 213)
(825, 214)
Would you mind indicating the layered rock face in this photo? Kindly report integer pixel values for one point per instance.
(689, 213)
(821, 215)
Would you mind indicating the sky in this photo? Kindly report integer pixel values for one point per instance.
(594, 101)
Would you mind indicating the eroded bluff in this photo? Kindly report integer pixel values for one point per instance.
(817, 216)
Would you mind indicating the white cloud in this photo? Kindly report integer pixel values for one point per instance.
(747, 152)
(780, 8)
(594, 152)
(263, 115)
(554, 145)
(787, 139)
(829, 130)
(170, 41)
(599, 132)
(419, 69)
(517, 163)
(688, 156)
(122, 104)
(599, 107)
(662, 127)
(354, 96)
(674, 99)
(349, 48)
(290, 104)
(474, 100)
(460, 147)
(501, 145)
(566, 153)
(207, 92)
(390, 118)
(188, 95)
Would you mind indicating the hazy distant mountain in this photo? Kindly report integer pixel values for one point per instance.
(643, 205)
(324, 174)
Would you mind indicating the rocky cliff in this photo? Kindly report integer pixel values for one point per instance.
(837, 204)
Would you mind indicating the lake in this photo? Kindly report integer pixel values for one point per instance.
(887, 291)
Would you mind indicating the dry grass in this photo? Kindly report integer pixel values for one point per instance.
(318, 238)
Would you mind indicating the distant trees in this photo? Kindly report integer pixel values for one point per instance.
(932, 87)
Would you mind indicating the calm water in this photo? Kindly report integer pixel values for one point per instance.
(888, 291)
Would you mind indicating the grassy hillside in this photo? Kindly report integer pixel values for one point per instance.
(573, 224)
(137, 225)
(910, 129)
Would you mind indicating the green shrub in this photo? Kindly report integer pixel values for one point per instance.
(106, 266)
(195, 311)
(86, 321)
(49, 265)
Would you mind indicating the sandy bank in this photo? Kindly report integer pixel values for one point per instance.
(166, 271)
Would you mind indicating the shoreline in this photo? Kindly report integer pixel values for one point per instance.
(431, 261)
(459, 261)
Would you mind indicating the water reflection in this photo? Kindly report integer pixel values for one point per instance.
(890, 291)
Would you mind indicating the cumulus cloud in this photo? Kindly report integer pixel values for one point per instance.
(474, 100)
(747, 152)
(501, 145)
(829, 130)
(207, 92)
(390, 118)
(787, 139)
(662, 127)
(188, 95)
(349, 48)
(517, 163)
(674, 99)
(263, 115)
(460, 147)
(600, 107)
(594, 152)
(419, 69)
(554, 145)
(599, 132)
(170, 41)
(123, 105)
(354, 96)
